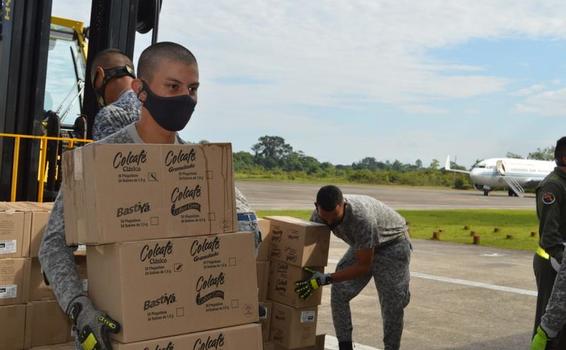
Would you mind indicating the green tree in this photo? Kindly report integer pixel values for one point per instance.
(243, 161)
(542, 154)
(271, 151)
(419, 163)
(434, 164)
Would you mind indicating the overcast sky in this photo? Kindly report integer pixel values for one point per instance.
(390, 79)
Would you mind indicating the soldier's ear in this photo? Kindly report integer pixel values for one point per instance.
(137, 86)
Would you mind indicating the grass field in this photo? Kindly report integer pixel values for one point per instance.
(509, 229)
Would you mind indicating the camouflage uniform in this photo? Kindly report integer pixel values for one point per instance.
(56, 258)
(117, 115)
(554, 319)
(551, 211)
(368, 223)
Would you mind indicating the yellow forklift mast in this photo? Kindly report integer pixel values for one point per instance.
(47, 103)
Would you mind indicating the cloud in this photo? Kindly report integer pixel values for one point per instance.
(545, 103)
(258, 57)
(528, 91)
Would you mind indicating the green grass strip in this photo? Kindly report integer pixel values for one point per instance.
(510, 229)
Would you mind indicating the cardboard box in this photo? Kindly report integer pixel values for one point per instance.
(27, 224)
(39, 221)
(46, 324)
(266, 324)
(264, 249)
(247, 337)
(167, 287)
(293, 328)
(38, 290)
(299, 242)
(14, 239)
(66, 346)
(12, 324)
(268, 345)
(262, 268)
(282, 285)
(319, 345)
(126, 192)
(14, 281)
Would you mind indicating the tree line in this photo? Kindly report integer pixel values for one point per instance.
(273, 158)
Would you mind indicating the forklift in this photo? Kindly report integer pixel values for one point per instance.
(39, 118)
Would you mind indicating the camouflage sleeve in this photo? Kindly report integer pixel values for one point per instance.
(109, 120)
(549, 203)
(242, 205)
(56, 258)
(555, 316)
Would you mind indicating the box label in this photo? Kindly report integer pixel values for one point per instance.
(308, 316)
(8, 246)
(9, 291)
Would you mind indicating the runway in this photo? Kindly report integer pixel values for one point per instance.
(282, 195)
(462, 298)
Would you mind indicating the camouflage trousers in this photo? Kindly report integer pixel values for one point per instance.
(390, 272)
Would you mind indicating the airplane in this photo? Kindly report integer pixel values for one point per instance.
(513, 174)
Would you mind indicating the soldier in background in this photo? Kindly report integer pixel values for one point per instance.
(551, 212)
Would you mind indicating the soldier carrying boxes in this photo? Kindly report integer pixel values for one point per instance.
(99, 211)
(379, 248)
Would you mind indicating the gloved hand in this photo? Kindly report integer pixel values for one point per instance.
(307, 287)
(93, 327)
(540, 340)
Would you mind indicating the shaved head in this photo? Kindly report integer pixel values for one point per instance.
(109, 58)
(154, 55)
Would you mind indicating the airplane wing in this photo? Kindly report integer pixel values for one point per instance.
(448, 168)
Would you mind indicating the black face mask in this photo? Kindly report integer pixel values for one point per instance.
(109, 74)
(171, 113)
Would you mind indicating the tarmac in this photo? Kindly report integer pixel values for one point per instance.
(463, 297)
(283, 195)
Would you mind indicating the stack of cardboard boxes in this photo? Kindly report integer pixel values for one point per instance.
(293, 244)
(29, 314)
(164, 257)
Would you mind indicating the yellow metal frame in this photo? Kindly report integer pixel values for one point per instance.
(42, 159)
(78, 28)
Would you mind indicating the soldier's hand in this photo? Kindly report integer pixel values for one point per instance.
(540, 340)
(308, 286)
(93, 327)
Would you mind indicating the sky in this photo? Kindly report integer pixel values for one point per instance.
(389, 79)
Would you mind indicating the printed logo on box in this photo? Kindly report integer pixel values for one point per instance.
(157, 254)
(182, 194)
(169, 346)
(205, 249)
(164, 299)
(181, 160)
(205, 284)
(139, 207)
(209, 343)
(129, 162)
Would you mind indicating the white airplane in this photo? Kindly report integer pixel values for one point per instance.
(513, 174)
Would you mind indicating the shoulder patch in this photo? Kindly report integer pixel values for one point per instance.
(548, 198)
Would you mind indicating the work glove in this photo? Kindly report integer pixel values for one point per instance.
(92, 327)
(540, 340)
(307, 287)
